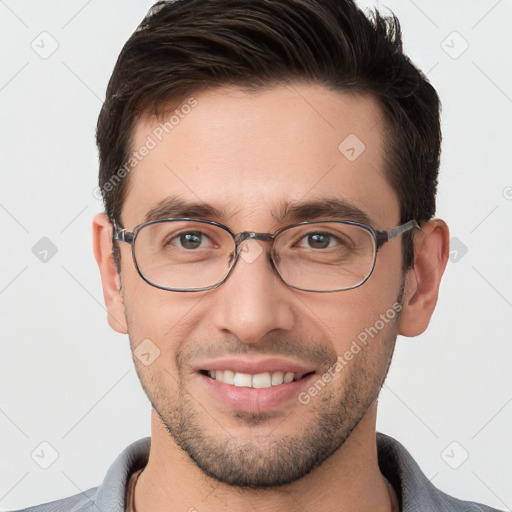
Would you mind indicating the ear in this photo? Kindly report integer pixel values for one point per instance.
(111, 281)
(431, 250)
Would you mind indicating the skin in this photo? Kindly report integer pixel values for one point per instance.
(247, 153)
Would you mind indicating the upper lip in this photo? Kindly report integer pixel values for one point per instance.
(254, 366)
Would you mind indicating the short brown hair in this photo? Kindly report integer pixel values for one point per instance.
(185, 46)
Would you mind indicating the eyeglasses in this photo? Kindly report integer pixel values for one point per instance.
(190, 255)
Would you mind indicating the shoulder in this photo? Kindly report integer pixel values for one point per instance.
(111, 494)
(415, 491)
(451, 504)
(83, 502)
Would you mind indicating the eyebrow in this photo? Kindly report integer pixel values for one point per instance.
(174, 206)
(287, 211)
(328, 208)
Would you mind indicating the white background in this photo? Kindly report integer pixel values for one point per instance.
(67, 379)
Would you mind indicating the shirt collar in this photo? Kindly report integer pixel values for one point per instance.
(414, 490)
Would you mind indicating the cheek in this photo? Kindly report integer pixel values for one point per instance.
(355, 311)
(167, 319)
(359, 321)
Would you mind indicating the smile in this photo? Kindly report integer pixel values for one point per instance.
(258, 380)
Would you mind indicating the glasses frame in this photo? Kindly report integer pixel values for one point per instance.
(380, 237)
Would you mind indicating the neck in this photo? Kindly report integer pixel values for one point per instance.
(349, 480)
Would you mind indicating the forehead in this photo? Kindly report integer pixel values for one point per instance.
(252, 154)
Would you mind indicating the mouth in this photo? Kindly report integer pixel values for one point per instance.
(255, 386)
(261, 380)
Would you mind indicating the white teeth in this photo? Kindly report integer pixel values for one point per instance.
(277, 378)
(288, 377)
(241, 380)
(259, 380)
(229, 377)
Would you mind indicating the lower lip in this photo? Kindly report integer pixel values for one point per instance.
(254, 400)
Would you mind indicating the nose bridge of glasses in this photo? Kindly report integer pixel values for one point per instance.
(251, 235)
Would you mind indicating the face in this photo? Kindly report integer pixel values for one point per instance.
(248, 155)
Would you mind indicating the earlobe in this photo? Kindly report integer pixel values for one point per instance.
(431, 250)
(110, 279)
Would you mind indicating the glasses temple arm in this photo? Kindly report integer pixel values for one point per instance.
(388, 235)
(120, 234)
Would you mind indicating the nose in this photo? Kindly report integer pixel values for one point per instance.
(253, 301)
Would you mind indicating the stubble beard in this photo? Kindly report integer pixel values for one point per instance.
(263, 463)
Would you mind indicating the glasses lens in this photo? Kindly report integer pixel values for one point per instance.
(325, 256)
(319, 256)
(183, 254)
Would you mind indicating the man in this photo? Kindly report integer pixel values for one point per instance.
(269, 172)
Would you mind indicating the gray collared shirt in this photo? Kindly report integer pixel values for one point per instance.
(415, 492)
